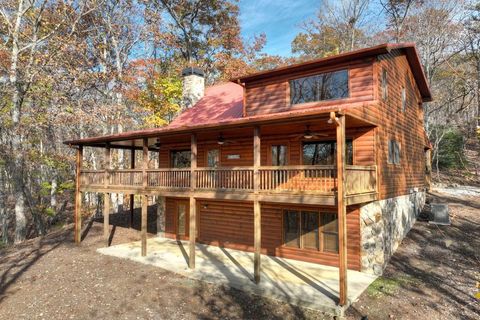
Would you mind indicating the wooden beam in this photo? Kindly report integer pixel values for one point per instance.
(192, 232)
(106, 196)
(193, 207)
(256, 159)
(132, 196)
(341, 207)
(161, 207)
(143, 230)
(78, 198)
(257, 239)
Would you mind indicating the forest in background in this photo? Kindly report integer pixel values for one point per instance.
(76, 68)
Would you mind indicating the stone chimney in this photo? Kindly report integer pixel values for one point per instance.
(193, 86)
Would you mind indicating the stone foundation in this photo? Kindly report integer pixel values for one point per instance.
(383, 225)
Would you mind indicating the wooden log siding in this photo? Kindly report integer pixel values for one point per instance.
(273, 95)
(229, 224)
(406, 127)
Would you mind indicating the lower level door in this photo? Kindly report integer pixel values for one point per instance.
(182, 219)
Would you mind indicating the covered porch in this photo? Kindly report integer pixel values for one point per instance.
(246, 171)
(300, 283)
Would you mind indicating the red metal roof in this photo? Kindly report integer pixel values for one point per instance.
(223, 102)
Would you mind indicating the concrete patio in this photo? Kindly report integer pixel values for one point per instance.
(299, 283)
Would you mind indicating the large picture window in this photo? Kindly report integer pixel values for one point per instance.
(180, 158)
(324, 152)
(325, 86)
(310, 230)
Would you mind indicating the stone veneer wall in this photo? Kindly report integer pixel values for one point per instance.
(383, 225)
(193, 90)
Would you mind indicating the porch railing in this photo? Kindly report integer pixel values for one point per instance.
(236, 178)
(317, 179)
(305, 179)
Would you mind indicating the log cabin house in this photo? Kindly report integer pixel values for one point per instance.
(322, 161)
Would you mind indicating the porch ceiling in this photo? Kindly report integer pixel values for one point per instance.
(233, 130)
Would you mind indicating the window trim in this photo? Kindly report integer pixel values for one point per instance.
(300, 210)
(305, 104)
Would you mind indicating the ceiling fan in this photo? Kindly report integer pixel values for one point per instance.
(222, 141)
(156, 144)
(308, 134)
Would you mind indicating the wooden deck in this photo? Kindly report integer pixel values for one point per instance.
(296, 184)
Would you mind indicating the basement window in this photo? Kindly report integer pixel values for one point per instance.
(324, 86)
(310, 230)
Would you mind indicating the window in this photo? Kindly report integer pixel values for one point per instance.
(279, 155)
(180, 158)
(324, 152)
(310, 230)
(384, 84)
(325, 86)
(404, 100)
(330, 232)
(393, 152)
(213, 158)
(291, 229)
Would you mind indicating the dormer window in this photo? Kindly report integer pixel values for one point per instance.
(324, 86)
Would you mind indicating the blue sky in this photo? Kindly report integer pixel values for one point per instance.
(278, 19)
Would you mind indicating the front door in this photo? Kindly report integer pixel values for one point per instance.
(182, 218)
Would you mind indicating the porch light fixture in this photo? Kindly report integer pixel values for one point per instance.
(221, 140)
(308, 133)
(333, 117)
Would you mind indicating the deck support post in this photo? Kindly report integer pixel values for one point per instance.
(106, 196)
(78, 198)
(132, 196)
(161, 206)
(257, 235)
(143, 229)
(341, 207)
(193, 203)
